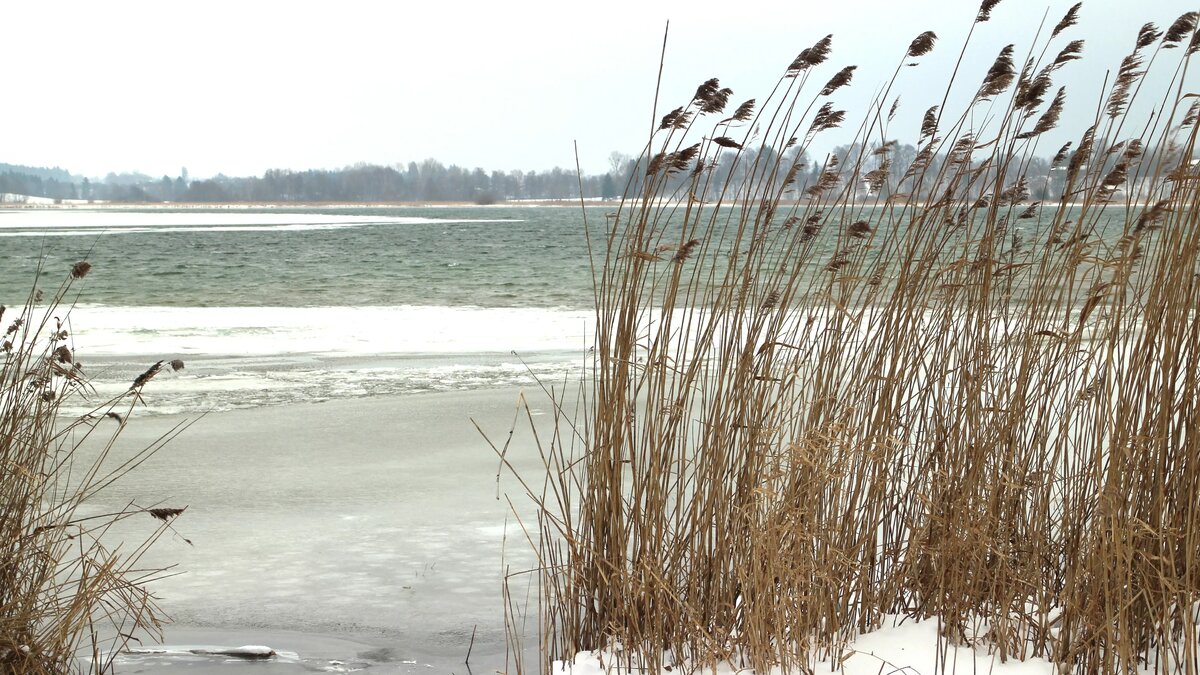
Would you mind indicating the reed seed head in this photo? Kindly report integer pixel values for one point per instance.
(165, 514)
(146, 376)
(743, 112)
(1069, 19)
(1049, 119)
(685, 251)
(1000, 75)
(922, 44)
(929, 123)
(985, 10)
(1147, 35)
(826, 118)
(1072, 52)
(1183, 27)
(676, 119)
(841, 79)
(1127, 75)
(811, 56)
(80, 269)
(1189, 118)
(711, 97)
(859, 229)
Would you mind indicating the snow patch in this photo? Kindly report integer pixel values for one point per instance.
(910, 648)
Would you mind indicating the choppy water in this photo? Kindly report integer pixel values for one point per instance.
(271, 307)
(500, 257)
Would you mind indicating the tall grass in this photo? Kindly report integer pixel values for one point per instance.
(817, 409)
(70, 598)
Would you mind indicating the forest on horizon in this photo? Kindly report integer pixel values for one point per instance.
(432, 181)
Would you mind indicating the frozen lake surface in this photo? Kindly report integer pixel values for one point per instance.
(360, 531)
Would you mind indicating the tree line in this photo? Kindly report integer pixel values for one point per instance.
(430, 180)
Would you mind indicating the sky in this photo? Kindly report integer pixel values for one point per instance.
(243, 86)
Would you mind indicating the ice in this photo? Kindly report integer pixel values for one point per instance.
(245, 652)
(112, 222)
(331, 331)
(377, 520)
(248, 357)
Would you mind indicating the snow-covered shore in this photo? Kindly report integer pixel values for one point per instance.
(899, 647)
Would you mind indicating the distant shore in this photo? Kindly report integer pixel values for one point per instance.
(80, 205)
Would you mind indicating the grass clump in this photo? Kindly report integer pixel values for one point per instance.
(887, 387)
(69, 598)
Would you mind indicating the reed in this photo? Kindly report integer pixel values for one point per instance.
(70, 597)
(895, 389)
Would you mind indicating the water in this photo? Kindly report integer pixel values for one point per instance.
(451, 257)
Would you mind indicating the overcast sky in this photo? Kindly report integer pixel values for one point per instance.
(238, 87)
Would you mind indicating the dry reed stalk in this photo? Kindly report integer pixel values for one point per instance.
(939, 400)
(69, 598)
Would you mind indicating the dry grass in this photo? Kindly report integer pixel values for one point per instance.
(69, 597)
(940, 400)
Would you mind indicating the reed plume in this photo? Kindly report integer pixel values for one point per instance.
(922, 44)
(811, 56)
(1069, 19)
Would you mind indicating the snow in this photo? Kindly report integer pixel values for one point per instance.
(912, 648)
(916, 647)
(12, 198)
(243, 652)
(88, 222)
